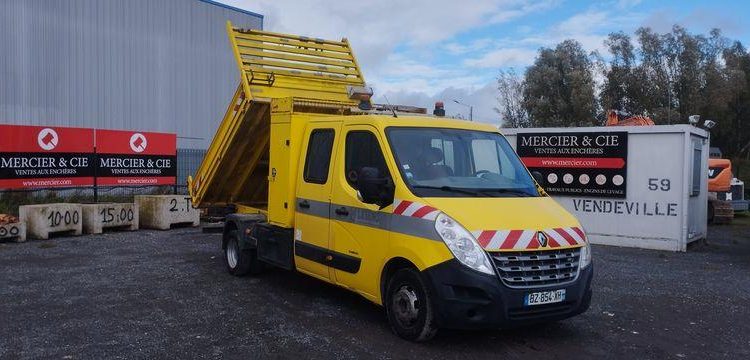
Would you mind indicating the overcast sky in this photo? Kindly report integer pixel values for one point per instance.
(418, 51)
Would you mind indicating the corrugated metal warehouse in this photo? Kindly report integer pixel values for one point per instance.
(149, 65)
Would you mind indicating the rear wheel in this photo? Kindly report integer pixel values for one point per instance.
(240, 262)
(408, 304)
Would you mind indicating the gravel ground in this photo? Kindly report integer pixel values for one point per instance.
(153, 294)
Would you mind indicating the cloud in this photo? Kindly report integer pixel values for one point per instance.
(503, 58)
(583, 23)
(426, 85)
(483, 98)
(589, 27)
(525, 9)
(456, 48)
(401, 65)
(376, 28)
(624, 4)
(700, 20)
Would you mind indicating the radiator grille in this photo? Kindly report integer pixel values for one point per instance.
(528, 269)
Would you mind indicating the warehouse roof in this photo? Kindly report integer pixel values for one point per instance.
(231, 8)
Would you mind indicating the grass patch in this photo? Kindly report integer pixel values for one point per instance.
(11, 200)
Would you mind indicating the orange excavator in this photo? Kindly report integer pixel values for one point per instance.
(720, 209)
(614, 119)
(720, 176)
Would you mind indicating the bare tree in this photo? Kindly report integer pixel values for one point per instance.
(510, 86)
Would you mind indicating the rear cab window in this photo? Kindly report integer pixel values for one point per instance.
(318, 158)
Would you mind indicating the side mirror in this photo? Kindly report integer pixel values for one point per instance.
(374, 189)
(538, 177)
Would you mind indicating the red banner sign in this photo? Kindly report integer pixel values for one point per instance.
(39, 156)
(53, 156)
(135, 158)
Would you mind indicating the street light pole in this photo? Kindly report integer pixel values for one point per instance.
(471, 109)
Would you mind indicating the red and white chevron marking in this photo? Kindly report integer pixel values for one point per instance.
(493, 240)
(414, 209)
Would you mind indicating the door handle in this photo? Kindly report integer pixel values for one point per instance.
(342, 211)
(304, 204)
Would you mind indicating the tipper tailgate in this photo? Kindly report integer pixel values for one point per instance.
(272, 66)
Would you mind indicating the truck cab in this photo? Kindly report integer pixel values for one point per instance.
(435, 219)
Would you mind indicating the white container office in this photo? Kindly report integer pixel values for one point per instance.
(657, 201)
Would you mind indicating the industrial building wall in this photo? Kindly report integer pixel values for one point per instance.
(151, 65)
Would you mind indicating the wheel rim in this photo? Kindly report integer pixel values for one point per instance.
(232, 254)
(406, 306)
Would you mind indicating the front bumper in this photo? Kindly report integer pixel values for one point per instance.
(466, 299)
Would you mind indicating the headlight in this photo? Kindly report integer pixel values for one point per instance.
(585, 255)
(463, 245)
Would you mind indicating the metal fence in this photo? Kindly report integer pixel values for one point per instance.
(188, 161)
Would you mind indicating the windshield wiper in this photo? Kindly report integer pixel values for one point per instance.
(447, 189)
(519, 193)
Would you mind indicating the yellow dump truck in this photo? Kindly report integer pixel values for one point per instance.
(435, 219)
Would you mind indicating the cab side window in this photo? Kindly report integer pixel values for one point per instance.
(318, 158)
(363, 150)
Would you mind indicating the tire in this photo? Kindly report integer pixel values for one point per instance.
(240, 262)
(408, 305)
(711, 212)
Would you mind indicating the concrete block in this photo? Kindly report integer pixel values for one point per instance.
(97, 217)
(42, 220)
(13, 231)
(163, 211)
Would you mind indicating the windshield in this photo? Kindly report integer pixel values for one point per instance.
(437, 162)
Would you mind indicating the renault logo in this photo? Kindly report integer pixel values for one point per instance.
(541, 239)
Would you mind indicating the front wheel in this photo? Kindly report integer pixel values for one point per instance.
(408, 305)
(240, 262)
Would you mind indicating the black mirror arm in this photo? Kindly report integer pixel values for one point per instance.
(387, 193)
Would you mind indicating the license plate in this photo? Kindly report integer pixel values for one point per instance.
(544, 297)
